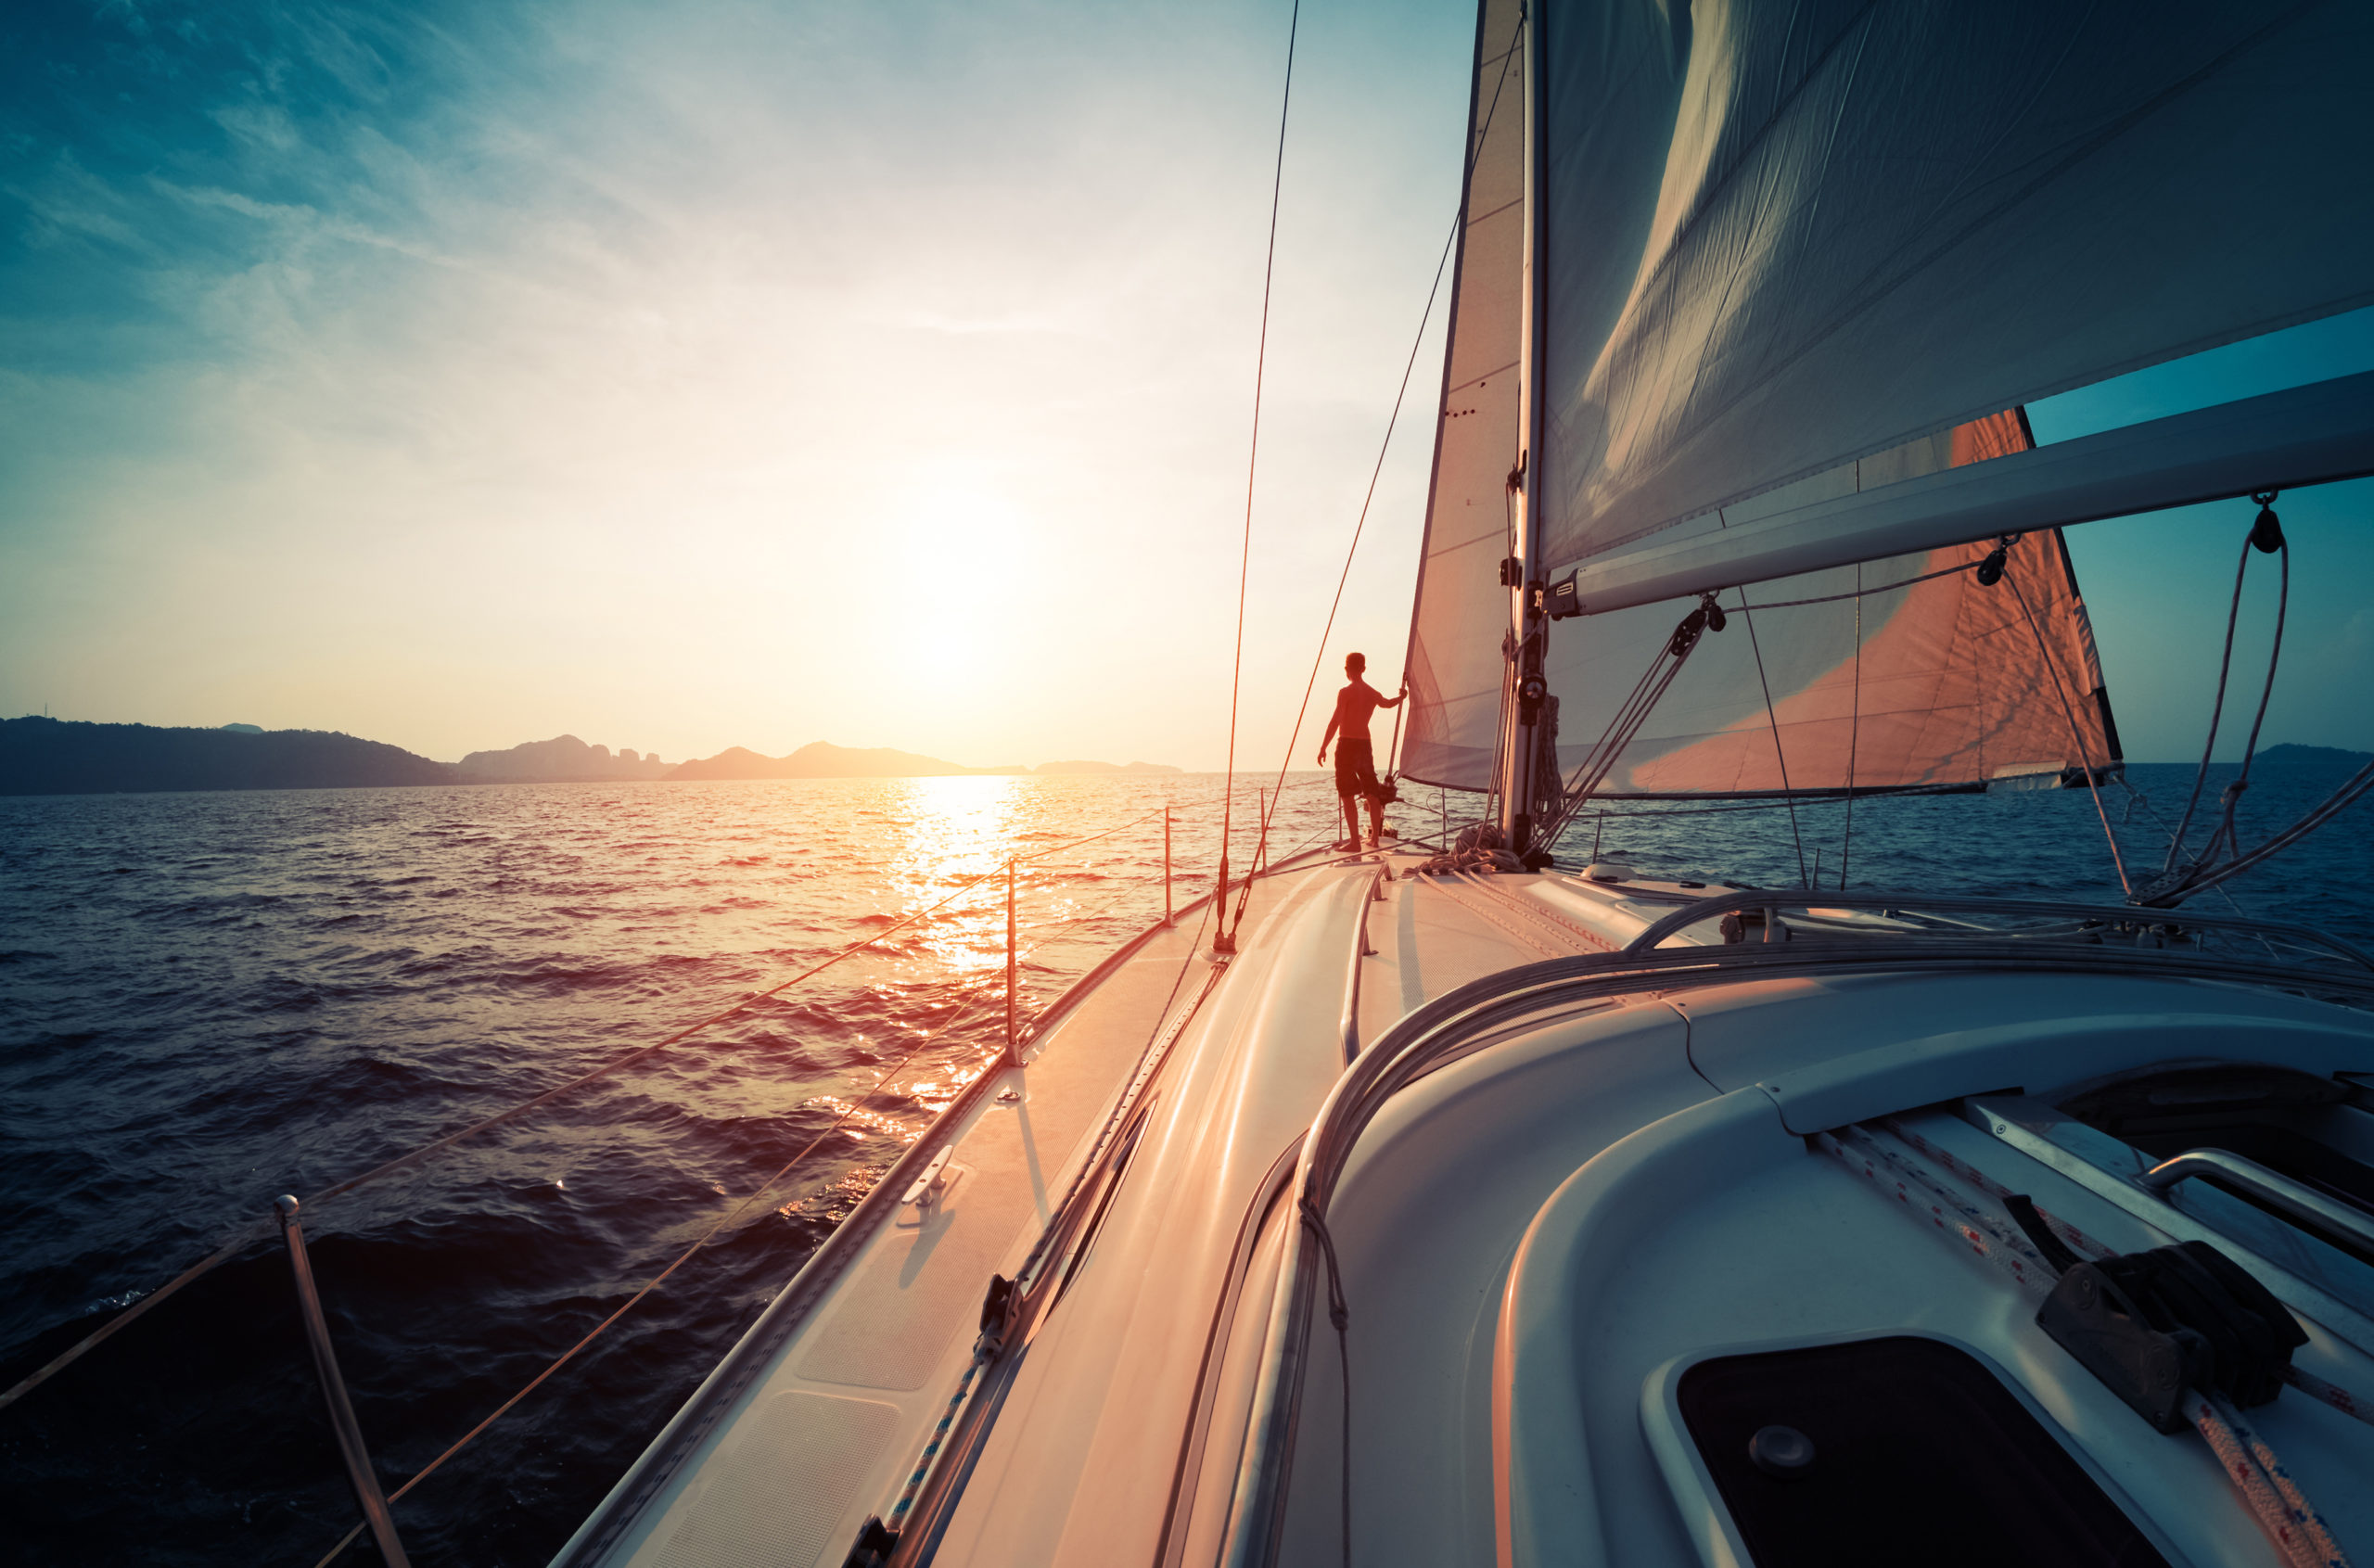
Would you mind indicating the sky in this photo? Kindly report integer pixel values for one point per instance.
(686, 377)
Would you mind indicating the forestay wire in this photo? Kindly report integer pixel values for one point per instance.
(1226, 939)
(1377, 471)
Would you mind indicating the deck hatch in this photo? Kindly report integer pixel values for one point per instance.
(1918, 1454)
(2312, 1129)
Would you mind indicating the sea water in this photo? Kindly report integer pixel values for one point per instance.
(207, 999)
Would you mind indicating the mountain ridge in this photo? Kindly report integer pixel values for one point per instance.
(45, 755)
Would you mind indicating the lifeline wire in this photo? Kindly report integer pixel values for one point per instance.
(682, 1258)
(1253, 457)
(737, 1212)
(849, 1110)
(238, 1240)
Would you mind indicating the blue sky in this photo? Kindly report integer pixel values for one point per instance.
(688, 377)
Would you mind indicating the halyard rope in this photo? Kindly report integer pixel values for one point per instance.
(2216, 712)
(2177, 882)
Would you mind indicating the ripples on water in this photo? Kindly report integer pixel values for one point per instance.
(207, 999)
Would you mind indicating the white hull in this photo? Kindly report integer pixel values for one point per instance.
(1581, 1189)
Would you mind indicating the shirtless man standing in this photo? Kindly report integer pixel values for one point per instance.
(1355, 759)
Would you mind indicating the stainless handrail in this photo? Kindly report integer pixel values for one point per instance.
(1741, 900)
(1373, 893)
(2303, 1202)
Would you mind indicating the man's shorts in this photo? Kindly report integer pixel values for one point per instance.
(1356, 770)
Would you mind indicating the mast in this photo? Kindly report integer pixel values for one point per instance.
(1523, 689)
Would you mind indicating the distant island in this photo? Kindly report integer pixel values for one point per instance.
(1103, 768)
(2289, 756)
(822, 760)
(41, 756)
(562, 760)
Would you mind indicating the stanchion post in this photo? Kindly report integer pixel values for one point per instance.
(342, 1421)
(1012, 1047)
(1166, 865)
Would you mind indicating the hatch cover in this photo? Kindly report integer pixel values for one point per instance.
(1894, 1450)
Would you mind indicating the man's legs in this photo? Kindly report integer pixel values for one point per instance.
(1351, 819)
(1376, 815)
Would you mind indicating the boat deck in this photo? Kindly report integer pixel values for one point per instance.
(1507, 1338)
(815, 1422)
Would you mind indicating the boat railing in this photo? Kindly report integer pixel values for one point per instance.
(2048, 920)
(1019, 1035)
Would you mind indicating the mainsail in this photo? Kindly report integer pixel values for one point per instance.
(1781, 255)
(1780, 237)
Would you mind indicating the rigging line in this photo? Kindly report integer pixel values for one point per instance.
(240, 1238)
(231, 1247)
(1042, 854)
(2216, 711)
(403, 1161)
(2355, 786)
(2136, 798)
(1425, 318)
(2085, 753)
(1854, 730)
(1599, 760)
(1760, 805)
(2250, 745)
(1253, 455)
(682, 1258)
(1861, 592)
(124, 1319)
(1779, 754)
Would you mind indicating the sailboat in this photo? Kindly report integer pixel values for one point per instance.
(1453, 1204)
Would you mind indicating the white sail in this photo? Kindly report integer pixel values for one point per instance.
(1781, 239)
(1454, 660)
(1942, 684)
